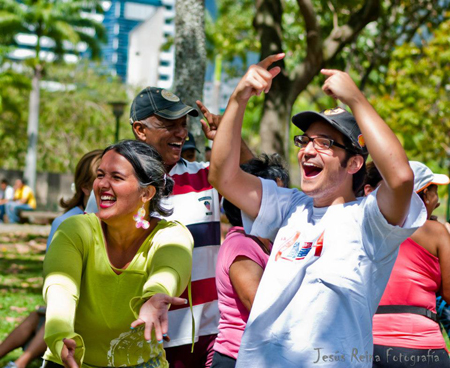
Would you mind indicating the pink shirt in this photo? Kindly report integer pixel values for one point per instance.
(415, 279)
(233, 314)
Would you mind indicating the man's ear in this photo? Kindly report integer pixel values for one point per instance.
(354, 164)
(149, 193)
(139, 131)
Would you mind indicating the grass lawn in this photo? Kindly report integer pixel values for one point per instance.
(21, 256)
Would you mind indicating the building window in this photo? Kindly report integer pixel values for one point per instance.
(116, 29)
(139, 12)
(114, 58)
(117, 10)
(164, 63)
(168, 7)
(163, 77)
(115, 43)
(168, 20)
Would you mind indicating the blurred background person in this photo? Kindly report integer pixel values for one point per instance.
(189, 150)
(30, 333)
(405, 328)
(111, 276)
(240, 265)
(6, 195)
(85, 174)
(24, 200)
(207, 153)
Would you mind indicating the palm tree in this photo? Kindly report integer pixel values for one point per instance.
(63, 25)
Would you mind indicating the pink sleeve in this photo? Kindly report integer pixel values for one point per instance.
(237, 244)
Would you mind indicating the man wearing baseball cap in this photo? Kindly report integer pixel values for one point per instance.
(189, 150)
(158, 117)
(333, 252)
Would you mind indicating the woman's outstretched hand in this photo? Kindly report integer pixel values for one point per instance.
(153, 314)
(68, 354)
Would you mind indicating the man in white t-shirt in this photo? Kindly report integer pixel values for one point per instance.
(333, 252)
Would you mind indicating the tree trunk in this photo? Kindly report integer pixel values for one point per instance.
(190, 59)
(275, 121)
(32, 130)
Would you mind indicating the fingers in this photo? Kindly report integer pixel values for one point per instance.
(268, 61)
(158, 332)
(70, 344)
(177, 301)
(202, 107)
(205, 126)
(329, 72)
(136, 323)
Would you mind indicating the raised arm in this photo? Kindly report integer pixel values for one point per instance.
(241, 189)
(394, 195)
(210, 125)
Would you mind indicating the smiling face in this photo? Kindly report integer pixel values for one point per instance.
(324, 176)
(167, 136)
(116, 189)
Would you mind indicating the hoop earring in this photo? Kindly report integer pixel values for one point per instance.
(140, 219)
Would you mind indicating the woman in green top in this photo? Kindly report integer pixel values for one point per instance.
(110, 277)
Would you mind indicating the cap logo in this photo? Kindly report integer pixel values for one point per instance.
(361, 141)
(187, 138)
(335, 111)
(169, 96)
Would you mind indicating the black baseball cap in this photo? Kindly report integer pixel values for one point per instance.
(189, 143)
(161, 102)
(340, 119)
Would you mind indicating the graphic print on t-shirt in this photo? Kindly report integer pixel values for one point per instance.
(296, 248)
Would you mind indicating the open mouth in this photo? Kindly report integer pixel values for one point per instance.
(107, 200)
(176, 145)
(310, 170)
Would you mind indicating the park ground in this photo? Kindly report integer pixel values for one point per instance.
(22, 250)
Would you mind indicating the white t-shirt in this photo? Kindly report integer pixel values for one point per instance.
(323, 282)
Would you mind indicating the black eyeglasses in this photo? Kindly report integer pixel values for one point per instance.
(319, 143)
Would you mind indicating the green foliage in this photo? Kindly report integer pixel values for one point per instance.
(231, 35)
(73, 120)
(415, 99)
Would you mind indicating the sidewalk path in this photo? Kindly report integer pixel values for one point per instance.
(42, 230)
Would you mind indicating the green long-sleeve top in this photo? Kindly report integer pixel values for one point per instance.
(88, 302)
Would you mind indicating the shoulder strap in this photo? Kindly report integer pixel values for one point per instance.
(394, 309)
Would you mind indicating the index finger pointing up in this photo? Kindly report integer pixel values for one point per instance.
(269, 60)
(329, 72)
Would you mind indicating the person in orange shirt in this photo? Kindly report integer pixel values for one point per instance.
(24, 200)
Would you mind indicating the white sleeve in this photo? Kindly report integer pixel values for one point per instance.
(276, 204)
(91, 206)
(380, 238)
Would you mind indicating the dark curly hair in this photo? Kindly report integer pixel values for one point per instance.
(265, 166)
(149, 170)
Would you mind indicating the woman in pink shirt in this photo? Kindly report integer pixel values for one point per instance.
(406, 332)
(240, 265)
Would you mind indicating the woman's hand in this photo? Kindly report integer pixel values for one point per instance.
(68, 354)
(153, 314)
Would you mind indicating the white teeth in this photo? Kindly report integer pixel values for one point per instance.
(107, 198)
(176, 144)
(310, 164)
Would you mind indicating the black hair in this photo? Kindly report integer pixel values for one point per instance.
(373, 176)
(359, 176)
(149, 170)
(5, 181)
(267, 167)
